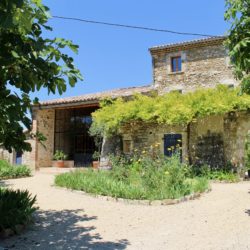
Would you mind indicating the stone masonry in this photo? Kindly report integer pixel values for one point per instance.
(214, 140)
(204, 65)
(42, 153)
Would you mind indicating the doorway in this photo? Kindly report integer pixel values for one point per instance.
(173, 144)
(72, 134)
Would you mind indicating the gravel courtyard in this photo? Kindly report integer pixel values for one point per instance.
(66, 220)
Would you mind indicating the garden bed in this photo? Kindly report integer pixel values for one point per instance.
(164, 202)
(146, 179)
(8, 171)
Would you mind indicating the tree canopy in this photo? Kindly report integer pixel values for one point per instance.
(172, 108)
(238, 14)
(28, 62)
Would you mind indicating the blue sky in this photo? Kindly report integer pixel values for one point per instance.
(112, 57)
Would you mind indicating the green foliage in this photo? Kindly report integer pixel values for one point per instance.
(28, 62)
(247, 151)
(16, 207)
(97, 132)
(226, 174)
(238, 42)
(171, 108)
(96, 155)
(8, 171)
(136, 178)
(59, 156)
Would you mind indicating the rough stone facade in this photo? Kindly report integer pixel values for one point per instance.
(214, 140)
(148, 137)
(42, 153)
(45, 119)
(202, 67)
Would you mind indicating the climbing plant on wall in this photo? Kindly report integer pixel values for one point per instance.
(171, 108)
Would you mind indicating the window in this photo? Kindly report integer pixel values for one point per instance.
(127, 145)
(176, 64)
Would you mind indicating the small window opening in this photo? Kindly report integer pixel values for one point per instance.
(176, 64)
(127, 146)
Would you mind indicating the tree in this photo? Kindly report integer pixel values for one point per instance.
(238, 42)
(28, 62)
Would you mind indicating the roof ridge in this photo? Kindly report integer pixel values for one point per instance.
(97, 95)
(194, 41)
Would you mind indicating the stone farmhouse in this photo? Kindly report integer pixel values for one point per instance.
(181, 67)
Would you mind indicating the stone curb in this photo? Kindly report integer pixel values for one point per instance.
(164, 202)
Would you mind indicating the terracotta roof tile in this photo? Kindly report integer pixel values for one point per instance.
(205, 41)
(96, 97)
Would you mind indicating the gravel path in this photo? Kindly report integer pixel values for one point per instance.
(66, 220)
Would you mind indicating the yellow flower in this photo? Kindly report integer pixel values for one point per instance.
(166, 173)
(144, 152)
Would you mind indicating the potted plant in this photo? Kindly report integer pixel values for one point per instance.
(96, 160)
(59, 158)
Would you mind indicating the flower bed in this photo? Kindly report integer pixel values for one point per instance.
(137, 179)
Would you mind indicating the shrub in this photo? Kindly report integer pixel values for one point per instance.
(16, 207)
(136, 178)
(9, 171)
(224, 174)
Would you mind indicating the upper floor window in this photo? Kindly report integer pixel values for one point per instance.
(176, 64)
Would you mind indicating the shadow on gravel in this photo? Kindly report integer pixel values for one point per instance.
(247, 211)
(61, 230)
(3, 183)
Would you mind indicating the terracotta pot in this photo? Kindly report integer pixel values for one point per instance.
(95, 164)
(60, 164)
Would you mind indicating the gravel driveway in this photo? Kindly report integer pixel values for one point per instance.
(66, 220)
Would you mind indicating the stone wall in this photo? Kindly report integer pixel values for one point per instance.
(206, 141)
(5, 155)
(214, 140)
(202, 67)
(236, 127)
(147, 136)
(45, 119)
(29, 158)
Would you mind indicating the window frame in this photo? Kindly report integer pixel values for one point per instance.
(175, 58)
